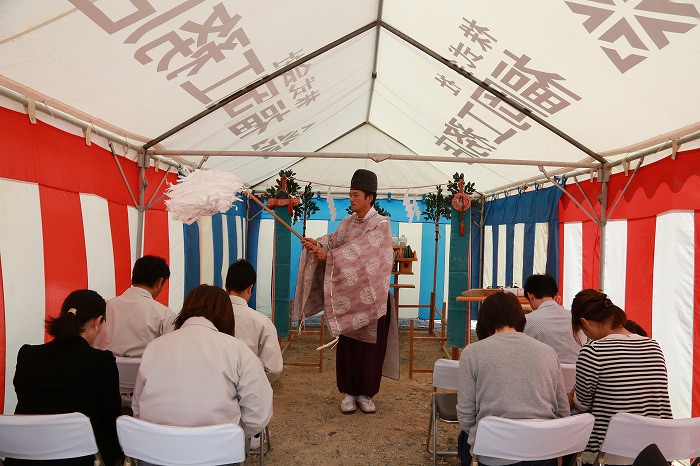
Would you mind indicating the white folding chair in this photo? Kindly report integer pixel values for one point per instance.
(174, 446)
(628, 434)
(47, 437)
(128, 369)
(443, 405)
(568, 371)
(532, 439)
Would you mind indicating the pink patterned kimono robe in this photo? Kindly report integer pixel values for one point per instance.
(352, 286)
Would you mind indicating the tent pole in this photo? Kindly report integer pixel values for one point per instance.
(590, 215)
(624, 190)
(140, 207)
(377, 157)
(433, 295)
(604, 175)
(482, 222)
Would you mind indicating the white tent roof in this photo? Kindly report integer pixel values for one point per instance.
(591, 80)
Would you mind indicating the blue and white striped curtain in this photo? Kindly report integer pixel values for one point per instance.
(520, 237)
(211, 244)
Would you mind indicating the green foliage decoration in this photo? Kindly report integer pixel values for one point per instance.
(306, 208)
(439, 204)
(286, 187)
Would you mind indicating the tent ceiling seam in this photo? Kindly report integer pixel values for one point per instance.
(254, 85)
(380, 8)
(516, 105)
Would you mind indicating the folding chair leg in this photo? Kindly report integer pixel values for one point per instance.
(261, 451)
(265, 445)
(430, 426)
(433, 425)
(435, 452)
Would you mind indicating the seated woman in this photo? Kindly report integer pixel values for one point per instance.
(200, 374)
(617, 371)
(508, 374)
(67, 375)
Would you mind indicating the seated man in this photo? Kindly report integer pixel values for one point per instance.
(549, 322)
(135, 318)
(252, 327)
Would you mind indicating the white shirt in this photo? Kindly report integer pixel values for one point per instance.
(551, 324)
(198, 376)
(260, 334)
(133, 320)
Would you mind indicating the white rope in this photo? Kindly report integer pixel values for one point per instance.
(331, 344)
(301, 324)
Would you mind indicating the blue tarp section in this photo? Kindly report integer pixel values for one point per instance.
(529, 209)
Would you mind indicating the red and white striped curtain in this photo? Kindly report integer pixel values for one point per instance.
(652, 263)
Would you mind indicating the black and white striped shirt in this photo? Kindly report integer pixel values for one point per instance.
(621, 373)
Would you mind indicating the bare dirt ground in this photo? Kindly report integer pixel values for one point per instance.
(307, 427)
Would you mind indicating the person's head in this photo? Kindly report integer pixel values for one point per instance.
(150, 272)
(499, 310)
(634, 327)
(212, 303)
(363, 191)
(240, 278)
(540, 286)
(82, 313)
(594, 314)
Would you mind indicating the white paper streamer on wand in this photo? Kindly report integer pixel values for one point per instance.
(331, 204)
(407, 205)
(416, 209)
(202, 193)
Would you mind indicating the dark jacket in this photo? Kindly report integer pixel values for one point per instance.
(65, 376)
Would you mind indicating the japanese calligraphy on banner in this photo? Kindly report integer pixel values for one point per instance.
(628, 34)
(485, 121)
(181, 41)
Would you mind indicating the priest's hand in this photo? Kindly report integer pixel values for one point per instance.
(320, 253)
(309, 243)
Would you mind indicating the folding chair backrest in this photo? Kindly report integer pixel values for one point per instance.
(46, 436)
(446, 374)
(532, 439)
(128, 369)
(568, 371)
(628, 434)
(192, 446)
